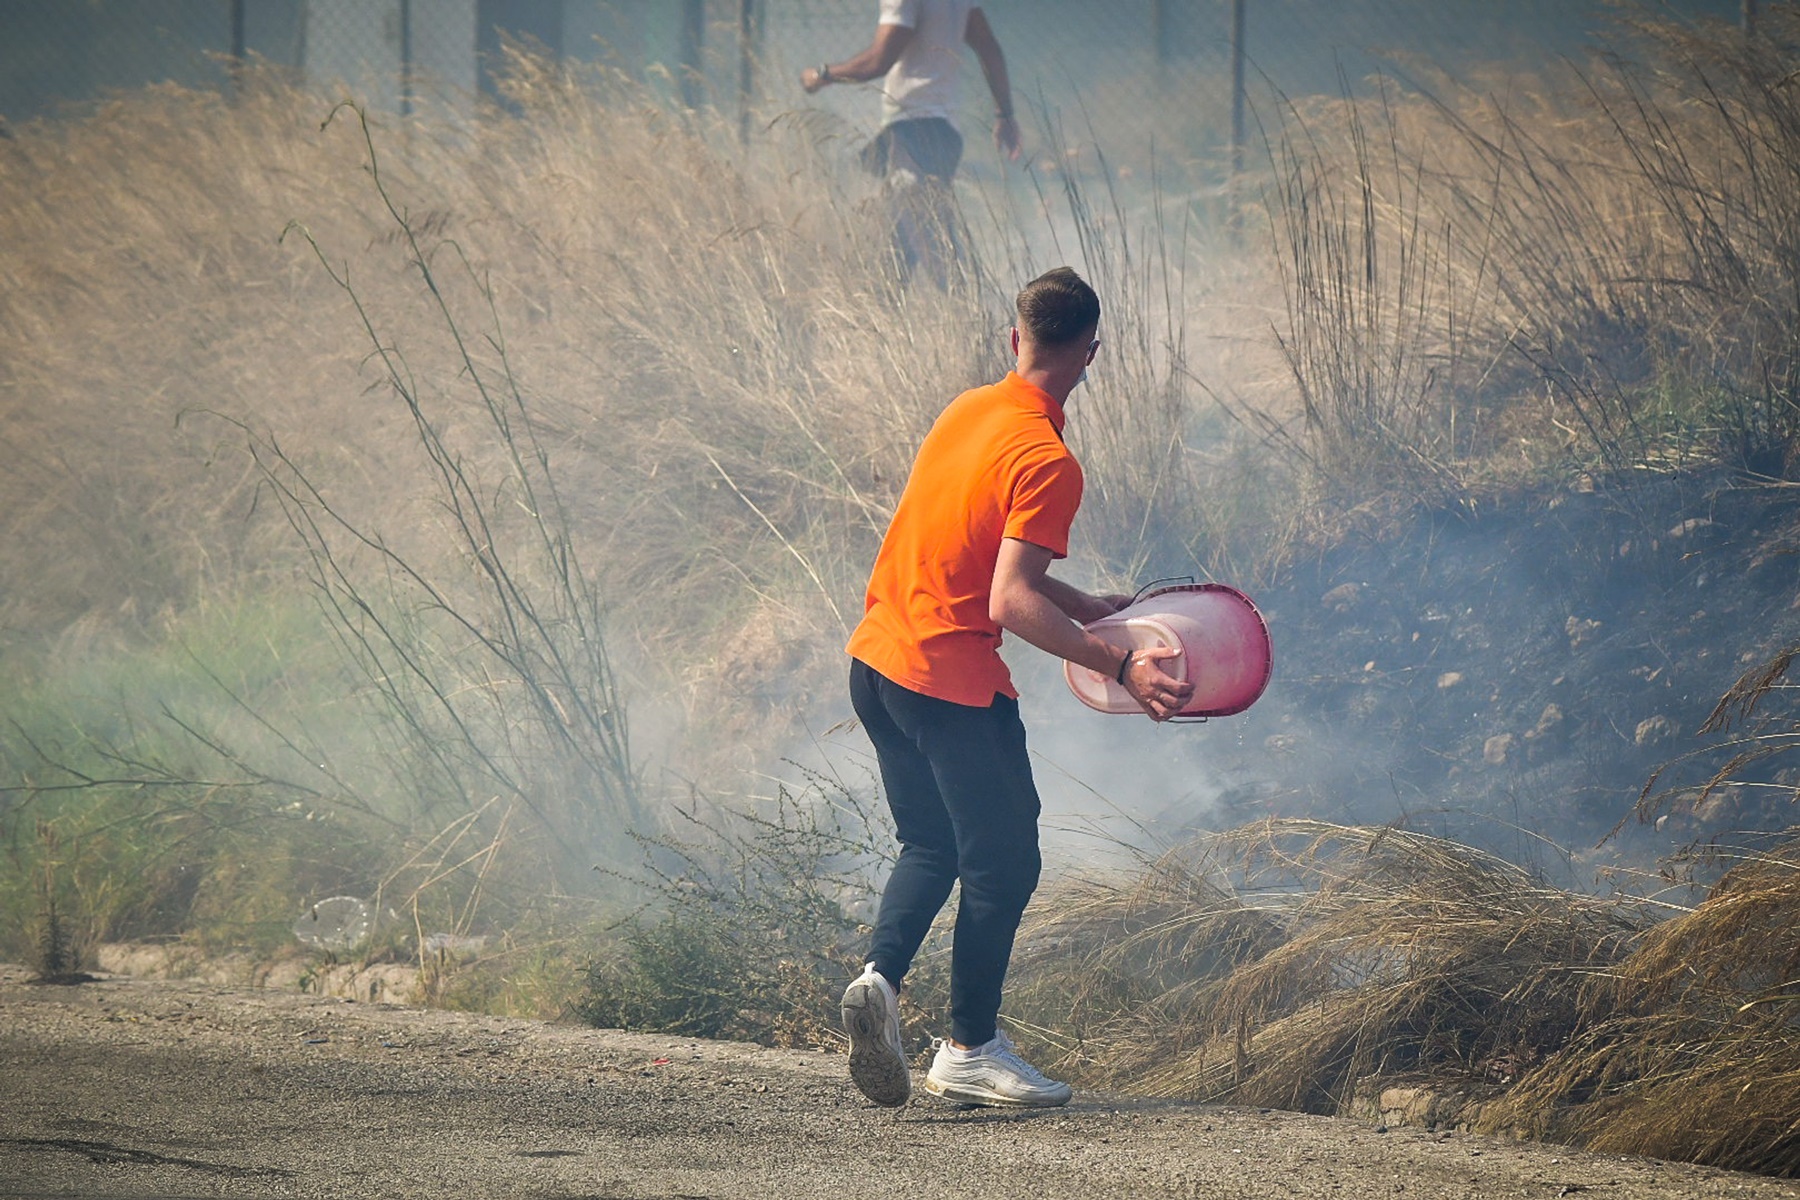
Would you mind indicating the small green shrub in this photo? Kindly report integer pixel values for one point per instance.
(116, 780)
(58, 958)
(755, 924)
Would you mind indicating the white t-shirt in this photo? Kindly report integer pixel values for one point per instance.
(926, 81)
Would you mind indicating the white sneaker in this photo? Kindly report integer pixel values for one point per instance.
(877, 1055)
(993, 1074)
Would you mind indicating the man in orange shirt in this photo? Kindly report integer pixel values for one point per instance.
(986, 509)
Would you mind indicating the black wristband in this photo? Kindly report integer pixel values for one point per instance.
(1124, 666)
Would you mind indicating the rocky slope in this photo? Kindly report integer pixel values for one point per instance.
(1515, 675)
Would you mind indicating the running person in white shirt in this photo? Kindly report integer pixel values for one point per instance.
(917, 54)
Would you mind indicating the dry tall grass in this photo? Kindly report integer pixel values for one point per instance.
(1592, 271)
(728, 377)
(727, 373)
(732, 344)
(254, 361)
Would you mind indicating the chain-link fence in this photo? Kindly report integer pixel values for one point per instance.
(1129, 75)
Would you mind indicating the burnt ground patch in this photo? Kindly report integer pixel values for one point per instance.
(1514, 673)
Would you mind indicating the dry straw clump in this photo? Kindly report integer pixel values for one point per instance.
(1283, 962)
(1296, 964)
(1687, 1049)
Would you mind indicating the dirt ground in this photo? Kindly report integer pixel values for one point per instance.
(131, 1087)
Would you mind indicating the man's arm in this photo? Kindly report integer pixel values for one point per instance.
(882, 53)
(1078, 605)
(980, 37)
(1023, 601)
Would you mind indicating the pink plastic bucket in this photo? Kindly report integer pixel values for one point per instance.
(1224, 644)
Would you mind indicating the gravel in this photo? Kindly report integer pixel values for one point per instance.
(132, 1087)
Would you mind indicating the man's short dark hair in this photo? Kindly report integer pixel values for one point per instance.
(1058, 308)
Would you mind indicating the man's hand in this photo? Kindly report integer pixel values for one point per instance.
(980, 37)
(872, 63)
(1006, 136)
(1157, 692)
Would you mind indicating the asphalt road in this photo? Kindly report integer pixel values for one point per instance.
(144, 1088)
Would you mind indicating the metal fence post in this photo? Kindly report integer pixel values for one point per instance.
(406, 59)
(693, 46)
(746, 65)
(1237, 86)
(238, 47)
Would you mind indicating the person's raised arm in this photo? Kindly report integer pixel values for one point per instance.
(1023, 602)
(980, 37)
(880, 55)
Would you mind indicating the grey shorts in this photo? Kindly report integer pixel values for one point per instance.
(928, 146)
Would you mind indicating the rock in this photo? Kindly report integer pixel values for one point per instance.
(1419, 1106)
(176, 960)
(1550, 735)
(1654, 729)
(452, 943)
(1549, 724)
(1341, 598)
(1407, 1103)
(1579, 629)
(1496, 748)
(1718, 805)
(378, 983)
(1449, 679)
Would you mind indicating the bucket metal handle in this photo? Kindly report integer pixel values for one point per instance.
(1156, 583)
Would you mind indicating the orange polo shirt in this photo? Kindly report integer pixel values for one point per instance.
(993, 466)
